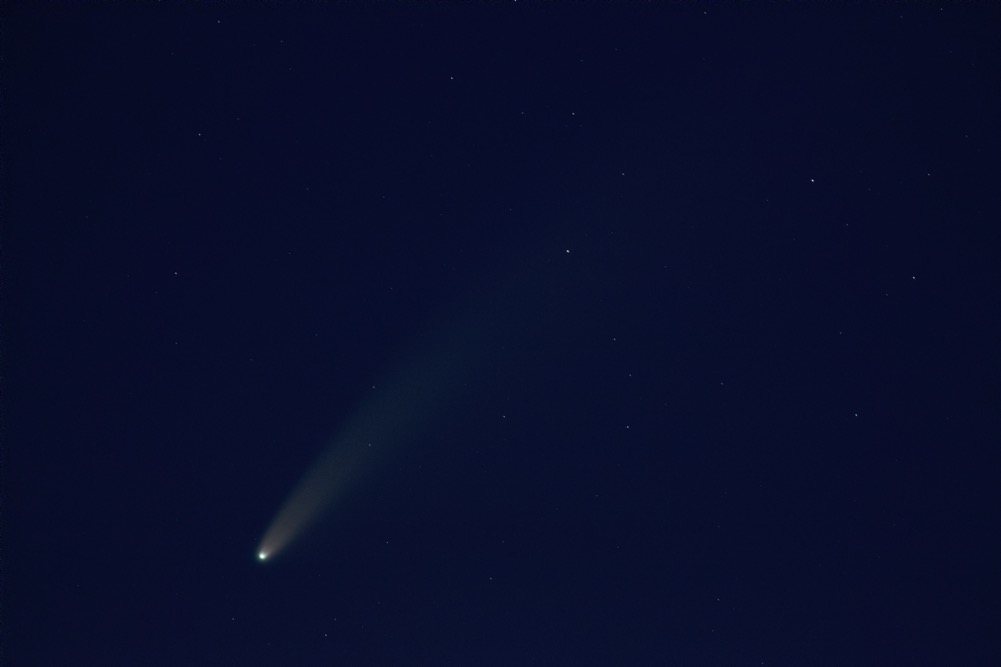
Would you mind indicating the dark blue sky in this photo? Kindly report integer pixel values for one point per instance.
(678, 325)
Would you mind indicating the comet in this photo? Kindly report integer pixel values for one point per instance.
(398, 413)
(404, 407)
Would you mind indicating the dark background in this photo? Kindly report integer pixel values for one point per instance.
(731, 282)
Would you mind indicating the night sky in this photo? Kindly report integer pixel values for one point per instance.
(622, 334)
